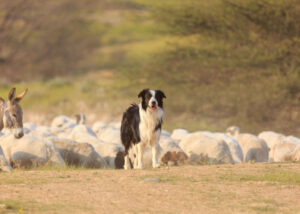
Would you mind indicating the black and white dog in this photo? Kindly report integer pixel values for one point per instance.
(141, 126)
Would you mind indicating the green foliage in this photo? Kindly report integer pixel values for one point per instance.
(219, 62)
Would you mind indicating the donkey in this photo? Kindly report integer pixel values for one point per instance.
(11, 114)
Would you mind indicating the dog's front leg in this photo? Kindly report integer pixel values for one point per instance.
(155, 152)
(135, 162)
(140, 149)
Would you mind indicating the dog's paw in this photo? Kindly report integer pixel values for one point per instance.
(140, 167)
(156, 165)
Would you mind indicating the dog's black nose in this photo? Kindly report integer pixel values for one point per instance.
(153, 103)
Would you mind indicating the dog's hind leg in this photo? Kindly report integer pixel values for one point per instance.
(126, 159)
(135, 160)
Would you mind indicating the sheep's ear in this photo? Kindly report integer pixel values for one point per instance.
(12, 94)
(142, 93)
(20, 96)
(161, 93)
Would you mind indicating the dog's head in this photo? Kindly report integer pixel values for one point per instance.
(152, 99)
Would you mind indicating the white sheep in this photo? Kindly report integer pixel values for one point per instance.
(254, 148)
(42, 132)
(272, 139)
(84, 134)
(78, 154)
(293, 139)
(165, 133)
(179, 134)
(29, 151)
(233, 144)
(295, 156)
(112, 153)
(285, 151)
(98, 127)
(62, 125)
(203, 149)
(110, 135)
(28, 127)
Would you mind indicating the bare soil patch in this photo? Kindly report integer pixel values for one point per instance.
(243, 188)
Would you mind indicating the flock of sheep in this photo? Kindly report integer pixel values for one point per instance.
(69, 142)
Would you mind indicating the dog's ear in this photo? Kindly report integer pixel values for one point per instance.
(142, 93)
(161, 94)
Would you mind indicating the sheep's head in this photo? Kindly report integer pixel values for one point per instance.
(13, 114)
(233, 131)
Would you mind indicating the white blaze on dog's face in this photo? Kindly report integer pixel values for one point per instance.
(152, 102)
(152, 99)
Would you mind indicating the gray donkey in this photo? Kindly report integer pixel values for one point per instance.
(11, 114)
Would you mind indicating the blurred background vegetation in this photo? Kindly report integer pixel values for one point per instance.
(220, 62)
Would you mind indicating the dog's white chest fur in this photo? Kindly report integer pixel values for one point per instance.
(148, 123)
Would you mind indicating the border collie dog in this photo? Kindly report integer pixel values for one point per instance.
(141, 126)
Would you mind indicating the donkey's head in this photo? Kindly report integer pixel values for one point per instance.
(12, 113)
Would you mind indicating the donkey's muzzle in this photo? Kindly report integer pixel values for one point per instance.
(18, 133)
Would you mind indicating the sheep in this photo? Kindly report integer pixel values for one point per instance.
(116, 125)
(254, 148)
(62, 125)
(78, 154)
(29, 151)
(234, 146)
(178, 134)
(165, 133)
(83, 133)
(295, 156)
(272, 139)
(203, 149)
(293, 139)
(110, 135)
(28, 127)
(98, 127)
(42, 132)
(112, 153)
(4, 165)
(287, 150)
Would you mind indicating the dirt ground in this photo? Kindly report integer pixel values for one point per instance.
(243, 188)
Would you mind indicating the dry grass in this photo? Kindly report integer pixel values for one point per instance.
(245, 188)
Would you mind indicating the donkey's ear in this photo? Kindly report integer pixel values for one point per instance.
(20, 96)
(142, 93)
(12, 94)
